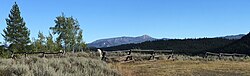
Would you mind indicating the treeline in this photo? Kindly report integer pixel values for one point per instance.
(16, 35)
(180, 46)
(241, 46)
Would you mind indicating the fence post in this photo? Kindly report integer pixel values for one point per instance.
(172, 54)
(129, 56)
(103, 56)
(206, 55)
(245, 56)
(62, 52)
(43, 54)
(152, 55)
(220, 55)
(233, 55)
(25, 55)
(12, 55)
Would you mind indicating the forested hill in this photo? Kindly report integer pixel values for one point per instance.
(240, 46)
(184, 46)
(109, 42)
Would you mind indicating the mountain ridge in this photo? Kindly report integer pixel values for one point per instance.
(109, 42)
(239, 36)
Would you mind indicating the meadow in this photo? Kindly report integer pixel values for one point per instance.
(90, 64)
(183, 65)
(184, 68)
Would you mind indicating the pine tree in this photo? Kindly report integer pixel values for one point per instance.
(16, 33)
(39, 44)
(50, 45)
(58, 43)
(79, 42)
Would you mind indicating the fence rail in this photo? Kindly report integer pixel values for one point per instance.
(129, 55)
(13, 55)
(220, 55)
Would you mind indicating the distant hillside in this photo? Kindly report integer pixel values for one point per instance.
(233, 36)
(119, 41)
(111, 42)
(240, 46)
(185, 46)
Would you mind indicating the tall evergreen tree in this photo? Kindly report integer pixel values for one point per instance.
(16, 33)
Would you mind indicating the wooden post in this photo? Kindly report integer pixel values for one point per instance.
(129, 56)
(233, 55)
(169, 57)
(152, 55)
(25, 55)
(205, 55)
(220, 55)
(172, 55)
(43, 55)
(62, 52)
(245, 56)
(103, 56)
(12, 54)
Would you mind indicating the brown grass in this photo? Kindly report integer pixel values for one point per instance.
(89, 64)
(183, 68)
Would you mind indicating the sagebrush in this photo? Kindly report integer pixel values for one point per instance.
(66, 66)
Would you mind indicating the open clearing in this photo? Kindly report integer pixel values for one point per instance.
(90, 64)
(183, 68)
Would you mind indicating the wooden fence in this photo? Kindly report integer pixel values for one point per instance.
(220, 55)
(153, 53)
(13, 54)
(129, 56)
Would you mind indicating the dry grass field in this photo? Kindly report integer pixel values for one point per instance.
(77, 64)
(183, 68)
(89, 64)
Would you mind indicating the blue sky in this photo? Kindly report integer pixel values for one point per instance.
(157, 18)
